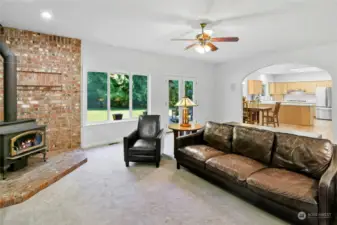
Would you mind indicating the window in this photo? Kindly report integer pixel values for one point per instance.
(139, 95)
(97, 97)
(117, 96)
(173, 99)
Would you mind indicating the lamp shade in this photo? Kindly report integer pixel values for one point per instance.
(185, 102)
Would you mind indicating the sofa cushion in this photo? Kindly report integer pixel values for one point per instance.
(311, 156)
(200, 152)
(143, 147)
(219, 136)
(253, 143)
(142, 144)
(235, 167)
(292, 189)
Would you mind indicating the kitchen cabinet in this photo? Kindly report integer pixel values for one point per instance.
(302, 115)
(293, 86)
(277, 88)
(309, 87)
(326, 83)
(254, 87)
(272, 88)
(281, 88)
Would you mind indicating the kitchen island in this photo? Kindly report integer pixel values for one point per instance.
(294, 113)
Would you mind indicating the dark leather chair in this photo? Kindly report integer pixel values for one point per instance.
(146, 143)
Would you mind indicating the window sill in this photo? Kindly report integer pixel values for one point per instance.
(111, 122)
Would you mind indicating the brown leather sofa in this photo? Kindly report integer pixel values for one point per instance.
(291, 176)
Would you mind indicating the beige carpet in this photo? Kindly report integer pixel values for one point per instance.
(105, 192)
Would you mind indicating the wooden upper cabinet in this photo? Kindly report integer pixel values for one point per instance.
(325, 83)
(254, 87)
(278, 88)
(310, 87)
(281, 88)
(272, 88)
(293, 86)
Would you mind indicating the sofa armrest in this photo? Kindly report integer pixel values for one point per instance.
(129, 141)
(327, 190)
(191, 139)
(160, 143)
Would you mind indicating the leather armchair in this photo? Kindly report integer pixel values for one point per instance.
(146, 143)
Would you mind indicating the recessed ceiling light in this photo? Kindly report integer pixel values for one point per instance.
(46, 15)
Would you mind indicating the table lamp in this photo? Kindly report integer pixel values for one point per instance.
(185, 102)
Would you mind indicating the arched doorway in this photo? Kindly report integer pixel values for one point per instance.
(304, 93)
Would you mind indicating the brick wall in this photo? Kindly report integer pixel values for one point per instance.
(48, 84)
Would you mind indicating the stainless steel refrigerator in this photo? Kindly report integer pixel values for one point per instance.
(324, 103)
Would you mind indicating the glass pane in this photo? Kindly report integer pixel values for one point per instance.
(119, 96)
(139, 95)
(173, 99)
(189, 92)
(97, 97)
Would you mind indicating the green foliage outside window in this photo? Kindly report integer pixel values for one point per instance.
(97, 96)
(189, 89)
(119, 91)
(139, 92)
(97, 90)
(119, 95)
(173, 93)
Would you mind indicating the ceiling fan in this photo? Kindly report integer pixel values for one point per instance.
(204, 41)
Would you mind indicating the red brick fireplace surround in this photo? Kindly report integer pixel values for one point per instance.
(48, 85)
(49, 82)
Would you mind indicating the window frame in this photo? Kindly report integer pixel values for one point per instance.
(109, 116)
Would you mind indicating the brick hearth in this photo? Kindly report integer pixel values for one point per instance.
(23, 184)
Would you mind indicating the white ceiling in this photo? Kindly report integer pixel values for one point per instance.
(289, 68)
(263, 26)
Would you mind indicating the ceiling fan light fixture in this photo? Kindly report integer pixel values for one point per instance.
(209, 32)
(202, 49)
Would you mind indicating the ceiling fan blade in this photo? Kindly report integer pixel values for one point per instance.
(225, 39)
(191, 46)
(182, 39)
(212, 46)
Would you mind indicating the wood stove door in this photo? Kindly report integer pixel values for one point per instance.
(26, 141)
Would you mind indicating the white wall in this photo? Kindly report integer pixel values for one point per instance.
(98, 57)
(316, 76)
(265, 78)
(230, 75)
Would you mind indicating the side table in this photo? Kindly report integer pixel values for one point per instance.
(180, 131)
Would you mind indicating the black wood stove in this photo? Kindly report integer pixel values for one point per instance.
(19, 139)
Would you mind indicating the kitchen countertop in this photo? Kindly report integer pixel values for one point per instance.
(289, 103)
